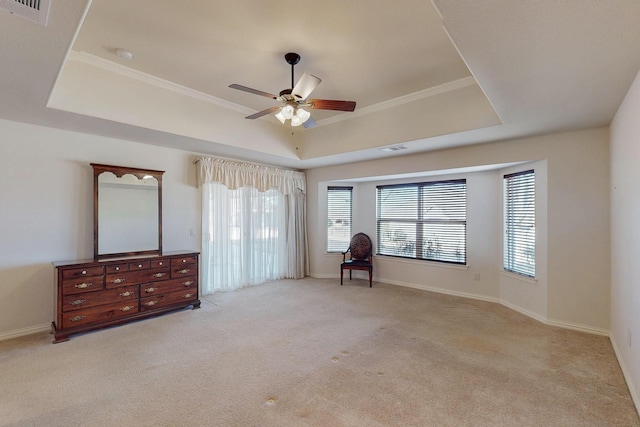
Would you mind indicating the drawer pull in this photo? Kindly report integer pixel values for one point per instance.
(127, 294)
(78, 302)
(84, 272)
(76, 318)
(184, 260)
(139, 265)
(150, 303)
(184, 271)
(159, 274)
(149, 290)
(161, 263)
(187, 295)
(117, 269)
(117, 281)
(83, 285)
(188, 283)
(126, 308)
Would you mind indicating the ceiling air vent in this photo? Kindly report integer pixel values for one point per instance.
(33, 10)
(395, 148)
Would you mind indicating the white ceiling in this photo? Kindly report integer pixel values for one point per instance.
(425, 75)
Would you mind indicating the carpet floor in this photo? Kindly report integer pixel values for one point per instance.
(313, 353)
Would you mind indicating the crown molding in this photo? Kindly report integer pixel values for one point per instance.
(149, 79)
(401, 100)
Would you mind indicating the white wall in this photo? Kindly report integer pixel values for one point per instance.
(46, 210)
(572, 286)
(625, 237)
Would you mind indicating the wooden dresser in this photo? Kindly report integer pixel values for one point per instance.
(94, 294)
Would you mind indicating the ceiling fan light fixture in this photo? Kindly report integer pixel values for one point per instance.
(303, 114)
(280, 116)
(287, 111)
(296, 120)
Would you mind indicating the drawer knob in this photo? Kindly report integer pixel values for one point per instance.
(126, 308)
(117, 281)
(83, 285)
(150, 303)
(184, 271)
(139, 265)
(149, 290)
(161, 263)
(76, 318)
(78, 302)
(188, 283)
(159, 274)
(126, 294)
(84, 271)
(117, 268)
(187, 295)
(184, 260)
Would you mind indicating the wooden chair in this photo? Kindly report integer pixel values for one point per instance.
(361, 256)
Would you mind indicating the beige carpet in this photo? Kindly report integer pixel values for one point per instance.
(313, 353)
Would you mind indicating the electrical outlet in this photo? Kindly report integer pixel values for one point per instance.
(476, 276)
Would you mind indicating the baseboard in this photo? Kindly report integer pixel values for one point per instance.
(577, 327)
(627, 376)
(24, 331)
(439, 290)
(528, 313)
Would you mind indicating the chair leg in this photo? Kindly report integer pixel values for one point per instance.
(349, 274)
(370, 278)
(341, 273)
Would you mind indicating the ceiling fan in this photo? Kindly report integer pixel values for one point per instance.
(295, 99)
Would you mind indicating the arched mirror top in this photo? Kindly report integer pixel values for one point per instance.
(127, 211)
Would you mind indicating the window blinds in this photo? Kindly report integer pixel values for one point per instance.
(339, 202)
(520, 223)
(423, 221)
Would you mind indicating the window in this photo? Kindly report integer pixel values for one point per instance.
(520, 223)
(338, 218)
(425, 220)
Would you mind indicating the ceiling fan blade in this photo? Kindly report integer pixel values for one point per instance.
(328, 104)
(309, 123)
(254, 91)
(305, 86)
(264, 112)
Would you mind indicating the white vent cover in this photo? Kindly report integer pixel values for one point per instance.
(395, 148)
(33, 10)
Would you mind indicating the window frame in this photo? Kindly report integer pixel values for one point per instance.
(514, 237)
(342, 188)
(420, 222)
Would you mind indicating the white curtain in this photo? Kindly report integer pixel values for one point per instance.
(253, 231)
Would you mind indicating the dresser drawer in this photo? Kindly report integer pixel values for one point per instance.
(99, 313)
(117, 268)
(74, 273)
(164, 300)
(165, 286)
(133, 277)
(159, 263)
(177, 262)
(183, 270)
(139, 265)
(92, 299)
(82, 285)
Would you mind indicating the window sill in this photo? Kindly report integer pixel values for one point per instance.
(421, 262)
(529, 280)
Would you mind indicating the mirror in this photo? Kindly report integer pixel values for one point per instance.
(127, 211)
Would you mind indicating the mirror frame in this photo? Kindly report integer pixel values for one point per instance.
(119, 171)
